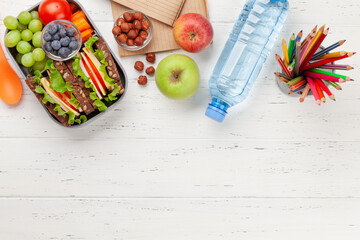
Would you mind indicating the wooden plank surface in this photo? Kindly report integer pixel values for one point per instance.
(156, 168)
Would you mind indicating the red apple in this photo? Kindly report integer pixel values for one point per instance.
(193, 32)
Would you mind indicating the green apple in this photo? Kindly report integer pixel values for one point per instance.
(177, 77)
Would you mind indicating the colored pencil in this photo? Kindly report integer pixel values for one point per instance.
(330, 74)
(326, 61)
(314, 90)
(335, 85)
(298, 39)
(310, 49)
(278, 74)
(314, 47)
(305, 93)
(328, 49)
(285, 52)
(323, 76)
(295, 80)
(320, 91)
(336, 67)
(325, 89)
(283, 80)
(298, 85)
(309, 37)
(332, 55)
(297, 58)
(282, 65)
(291, 46)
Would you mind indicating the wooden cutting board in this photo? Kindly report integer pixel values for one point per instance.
(163, 39)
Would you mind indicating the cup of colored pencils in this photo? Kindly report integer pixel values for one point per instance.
(308, 68)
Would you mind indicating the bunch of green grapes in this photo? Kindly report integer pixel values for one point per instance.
(25, 35)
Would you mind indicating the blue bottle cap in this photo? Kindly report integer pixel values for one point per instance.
(215, 113)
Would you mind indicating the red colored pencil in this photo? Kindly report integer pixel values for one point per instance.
(320, 91)
(309, 37)
(282, 65)
(325, 61)
(323, 76)
(314, 90)
(325, 88)
(314, 48)
(298, 85)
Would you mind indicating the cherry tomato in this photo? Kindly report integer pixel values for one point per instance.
(50, 10)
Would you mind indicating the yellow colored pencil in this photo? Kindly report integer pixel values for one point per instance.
(286, 54)
(333, 55)
(313, 42)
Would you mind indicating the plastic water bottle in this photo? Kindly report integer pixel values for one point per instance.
(245, 53)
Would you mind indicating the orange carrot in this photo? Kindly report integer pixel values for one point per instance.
(73, 7)
(82, 24)
(78, 15)
(85, 35)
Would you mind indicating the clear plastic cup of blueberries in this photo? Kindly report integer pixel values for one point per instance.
(61, 40)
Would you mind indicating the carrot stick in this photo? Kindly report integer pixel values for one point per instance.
(78, 15)
(82, 24)
(85, 35)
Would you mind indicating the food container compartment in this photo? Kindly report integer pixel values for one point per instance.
(25, 74)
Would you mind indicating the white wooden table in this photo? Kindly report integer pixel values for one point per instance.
(159, 169)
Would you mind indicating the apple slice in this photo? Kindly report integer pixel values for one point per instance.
(92, 75)
(91, 81)
(63, 104)
(95, 64)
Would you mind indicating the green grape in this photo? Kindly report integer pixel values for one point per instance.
(23, 47)
(34, 14)
(39, 65)
(11, 22)
(36, 41)
(38, 54)
(27, 60)
(26, 35)
(21, 27)
(12, 38)
(24, 17)
(18, 58)
(35, 25)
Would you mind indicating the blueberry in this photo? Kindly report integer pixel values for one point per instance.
(73, 39)
(65, 41)
(70, 32)
(64, 52)
(56, 53)
(52, 28)
(62, 32)
(48, 47)
(56, 45)
(60, 26)
(56, 37)
(73, 45)
(47, 37)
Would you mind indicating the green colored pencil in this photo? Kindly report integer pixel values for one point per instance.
(334, 84)
(295, 80)
(291, 46)
(330, 74)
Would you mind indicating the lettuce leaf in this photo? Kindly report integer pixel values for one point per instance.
(89, 44)
(79, 73)
(37, 77)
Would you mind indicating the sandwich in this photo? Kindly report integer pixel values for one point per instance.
(81, 87)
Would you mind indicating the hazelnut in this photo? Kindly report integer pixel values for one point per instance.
(120, 21)
(139, 66)
(130, 42)
(116, 30)
(138, 16)
(129, 17)
(137, 24)
(122, 38)
(144, 35)
(125, 27)
(139, 41)
(142, 80)
(145, 25)
(150, 71)
(150, 57)
(132, 34)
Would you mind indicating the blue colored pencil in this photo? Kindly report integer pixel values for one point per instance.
(327, 50)
(298, 38)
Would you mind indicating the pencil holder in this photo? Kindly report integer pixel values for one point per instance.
(307, 68)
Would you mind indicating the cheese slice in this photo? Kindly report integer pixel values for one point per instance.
(102, 90)
(91, 81)
(52, 94)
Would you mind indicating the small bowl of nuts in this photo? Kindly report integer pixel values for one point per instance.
(133, 30)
